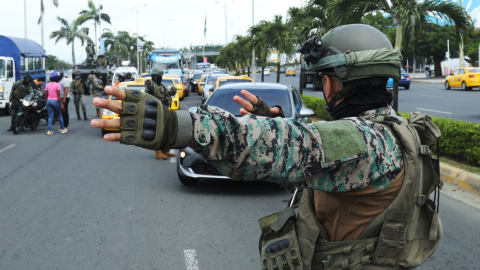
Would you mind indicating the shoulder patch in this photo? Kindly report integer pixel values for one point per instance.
(341, 141)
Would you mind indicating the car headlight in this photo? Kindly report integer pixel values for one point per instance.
(107, 112)
(182, 154)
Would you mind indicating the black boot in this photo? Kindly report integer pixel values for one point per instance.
(78, 116)
(84, 116)
(11, 127)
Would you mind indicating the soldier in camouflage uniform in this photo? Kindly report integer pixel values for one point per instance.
(90, 80)
(98, 88)
(155, 88)
(19, 91)
(77, 88)
(353, 167)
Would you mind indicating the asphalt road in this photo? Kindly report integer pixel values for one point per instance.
(427, 98)
(74, 201)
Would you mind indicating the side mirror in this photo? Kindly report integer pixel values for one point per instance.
(10, 74)
(305, 112)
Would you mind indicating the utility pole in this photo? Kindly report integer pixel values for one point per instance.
(25, 14)
(226, 35)
(254, 68)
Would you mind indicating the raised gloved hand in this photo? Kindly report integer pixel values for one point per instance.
(143, 122)
(255, 105)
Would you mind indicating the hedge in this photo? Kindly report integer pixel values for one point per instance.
(460, 140)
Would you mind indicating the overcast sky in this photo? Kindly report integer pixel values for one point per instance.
(184, 20)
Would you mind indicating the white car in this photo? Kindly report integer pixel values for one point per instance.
(266, 72)
(124, 70)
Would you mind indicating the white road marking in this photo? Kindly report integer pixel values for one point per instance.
(431, 96)
(433, 111)
(191, 259)
(8, 147)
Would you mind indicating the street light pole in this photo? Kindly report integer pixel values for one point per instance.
(254, 68)
(226, 23)
(138, 56)
(25, 13)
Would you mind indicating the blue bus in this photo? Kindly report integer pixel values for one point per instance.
(171, 61)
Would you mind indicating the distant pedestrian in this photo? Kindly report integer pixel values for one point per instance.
(54, 102)
(65, 95)
(427, 72)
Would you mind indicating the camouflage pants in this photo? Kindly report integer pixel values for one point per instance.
(98, 93)
(79, 99)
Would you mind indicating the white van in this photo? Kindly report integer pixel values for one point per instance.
(124, 70)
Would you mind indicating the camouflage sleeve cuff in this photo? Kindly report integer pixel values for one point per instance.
(184, 130)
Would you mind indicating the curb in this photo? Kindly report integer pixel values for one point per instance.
(426, 81)
(460, 178)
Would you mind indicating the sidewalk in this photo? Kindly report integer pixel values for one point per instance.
(421, 78)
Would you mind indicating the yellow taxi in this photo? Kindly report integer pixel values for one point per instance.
(290, 71)
(275, 70)
(465, 78)
(138, 84)
(177, 83)
(201, 83)
(232, 79)
(169, 83)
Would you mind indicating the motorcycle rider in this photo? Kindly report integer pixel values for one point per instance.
(19, 91)
(37, 84)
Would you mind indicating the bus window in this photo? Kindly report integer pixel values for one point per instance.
(22, 63)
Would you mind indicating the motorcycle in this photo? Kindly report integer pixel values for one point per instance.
(34, 109)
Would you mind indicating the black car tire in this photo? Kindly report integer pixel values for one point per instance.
(447, 85)
(407, 87)
(465, 88)
(35, 125)
(185, 180)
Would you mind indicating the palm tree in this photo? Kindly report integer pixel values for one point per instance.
(40, 20)
(114, 42)
(410, 16)
(93, 14)
(69, 32)
(244, 53)
(259, 44)
(279, 36)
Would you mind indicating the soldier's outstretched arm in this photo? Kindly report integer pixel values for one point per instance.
(253, 148)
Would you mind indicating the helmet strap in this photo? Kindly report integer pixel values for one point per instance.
(338, 95)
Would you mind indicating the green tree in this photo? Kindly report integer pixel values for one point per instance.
(260, 45)
(115, 43)
(52, 63)
(471, 48)
(382, 23)
(95, 14)
(433, 44)
(69, 32)
(42, 11)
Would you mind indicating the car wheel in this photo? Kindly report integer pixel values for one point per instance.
(17, 125)
(185, 180)
(104, 132)
(447, 85)
(294, 75)
(407, 87)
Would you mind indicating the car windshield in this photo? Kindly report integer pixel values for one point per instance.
(224, 99)
(211, 79)
(197, 76)
(136, 87)
(177, 80)
(474, 70)
(167, 82)
(290, 69)
(232, 81)
(184, 80)
(404, 71)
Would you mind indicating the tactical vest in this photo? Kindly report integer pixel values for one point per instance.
(403, 236)
(20, 91)
(78, 88)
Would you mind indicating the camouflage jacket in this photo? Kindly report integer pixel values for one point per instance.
(294, 154)
(160, 92)
(19, 91)
(97, 84)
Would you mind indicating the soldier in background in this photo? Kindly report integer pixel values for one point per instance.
(101, 61)
(155, 88)
(78, 87)
(98, 88)
(90, 79)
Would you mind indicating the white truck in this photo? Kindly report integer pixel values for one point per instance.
(18, 57)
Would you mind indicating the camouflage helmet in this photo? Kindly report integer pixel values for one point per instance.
(157, 71)
(353, 51)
